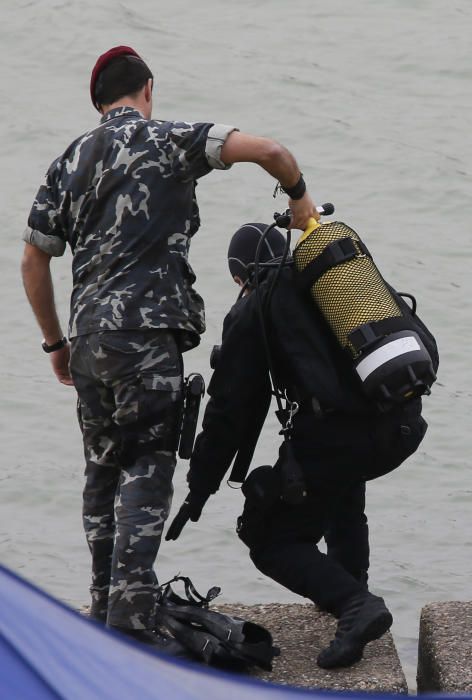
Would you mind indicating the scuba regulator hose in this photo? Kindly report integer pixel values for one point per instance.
(292, 481)
(283, 221)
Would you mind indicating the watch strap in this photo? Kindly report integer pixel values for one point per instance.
(298, 189)
(55, 346)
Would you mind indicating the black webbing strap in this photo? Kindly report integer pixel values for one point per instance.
(193, 596)
(369, 333)
(244, 456)
(335, 253)
(246, 452)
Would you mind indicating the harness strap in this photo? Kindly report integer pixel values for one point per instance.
(193, 596)
(369, 333)
(244, 457)
(335, 253)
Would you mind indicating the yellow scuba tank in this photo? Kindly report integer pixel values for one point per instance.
(389, 357)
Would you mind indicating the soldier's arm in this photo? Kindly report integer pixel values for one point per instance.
(36, 274)
(277, 161)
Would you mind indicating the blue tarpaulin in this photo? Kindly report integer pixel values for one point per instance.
(48, 650)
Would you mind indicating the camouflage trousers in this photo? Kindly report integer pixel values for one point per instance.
(129, 387)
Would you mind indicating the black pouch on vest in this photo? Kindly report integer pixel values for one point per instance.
(397, 435)
(293, 489)
(262, 492)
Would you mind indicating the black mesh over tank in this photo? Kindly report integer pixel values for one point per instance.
(350, 294)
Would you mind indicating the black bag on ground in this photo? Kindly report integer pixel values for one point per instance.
(213, 637)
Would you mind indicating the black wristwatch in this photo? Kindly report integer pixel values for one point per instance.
(56, 346)
(298, 189)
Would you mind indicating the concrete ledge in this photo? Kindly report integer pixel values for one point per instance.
(301, 632)
(445, 648)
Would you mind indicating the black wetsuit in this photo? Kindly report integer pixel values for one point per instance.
(339, 438)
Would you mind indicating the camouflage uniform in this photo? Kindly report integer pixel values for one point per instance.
(123, 197)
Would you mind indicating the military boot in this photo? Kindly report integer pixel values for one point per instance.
(364, 618)
(98, 610)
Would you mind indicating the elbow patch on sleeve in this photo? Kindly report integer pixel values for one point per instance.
(52, 245)
(217, 135)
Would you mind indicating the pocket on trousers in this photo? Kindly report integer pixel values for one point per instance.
(160, 408)
(163, 380)
(148, 412)
(116, 342)
(142, 352)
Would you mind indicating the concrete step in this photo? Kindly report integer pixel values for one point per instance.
(445, 648)
(301, 632)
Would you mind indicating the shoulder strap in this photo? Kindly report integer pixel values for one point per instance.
(252, 430)
(367, 334)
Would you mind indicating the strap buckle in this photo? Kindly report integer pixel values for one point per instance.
(291, 408)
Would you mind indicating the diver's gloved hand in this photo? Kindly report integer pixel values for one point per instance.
(191, 509)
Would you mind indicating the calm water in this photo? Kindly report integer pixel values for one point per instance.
(374, 100)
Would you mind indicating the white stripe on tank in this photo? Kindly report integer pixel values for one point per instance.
(387, 352)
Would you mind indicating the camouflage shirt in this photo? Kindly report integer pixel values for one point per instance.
(123, 197)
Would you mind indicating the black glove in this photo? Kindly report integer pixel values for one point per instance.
(191, 509)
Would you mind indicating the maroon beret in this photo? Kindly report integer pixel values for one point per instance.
(102, 63)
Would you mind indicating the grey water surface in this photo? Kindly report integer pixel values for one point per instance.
(374, 99)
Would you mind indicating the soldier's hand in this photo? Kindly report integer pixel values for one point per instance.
(60, 365)
(191, 509)
(302, 210)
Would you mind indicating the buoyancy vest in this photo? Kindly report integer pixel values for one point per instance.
(211, 636)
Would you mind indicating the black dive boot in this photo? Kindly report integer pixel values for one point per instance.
(365, 618)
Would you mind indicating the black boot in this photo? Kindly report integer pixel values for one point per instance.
(365, 618)
(362, 577)
(98, 610)
(156, 640)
